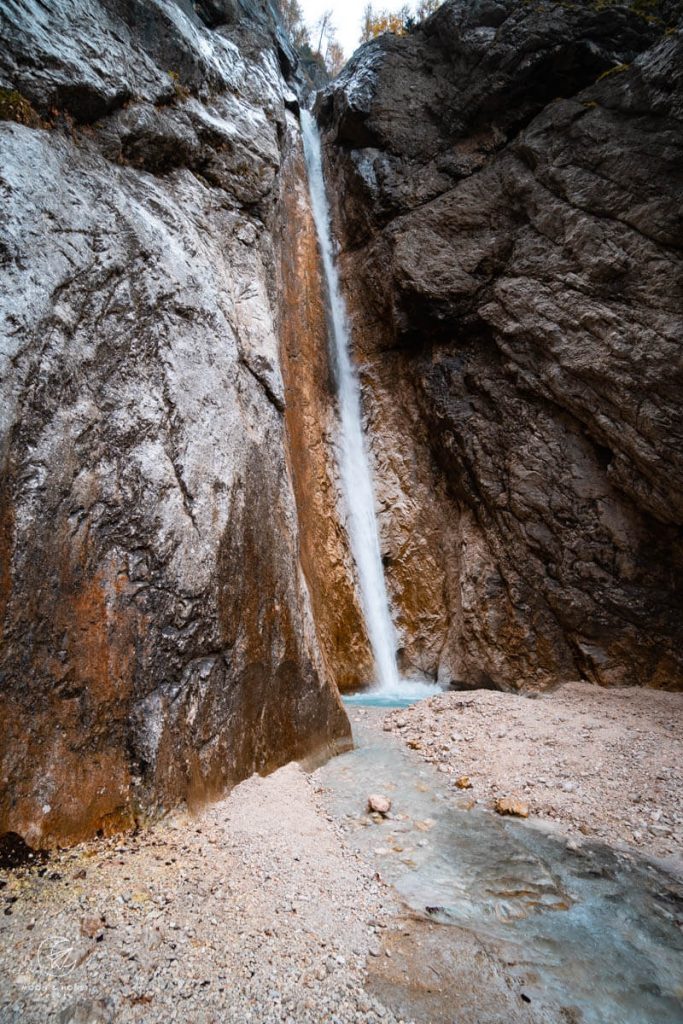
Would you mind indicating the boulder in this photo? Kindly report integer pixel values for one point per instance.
(379, 804)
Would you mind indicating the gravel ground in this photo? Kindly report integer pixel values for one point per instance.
(257, 910)
(597, 762)
(253, 911)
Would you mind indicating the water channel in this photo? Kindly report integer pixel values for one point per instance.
(592, 934)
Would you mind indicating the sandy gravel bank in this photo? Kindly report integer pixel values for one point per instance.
(254, 911)
(601, 763)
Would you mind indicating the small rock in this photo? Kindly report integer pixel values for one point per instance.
(379, 804)
(425, 826)
(91, 927)
(508, 805)
(88, 1011)
(463, 782)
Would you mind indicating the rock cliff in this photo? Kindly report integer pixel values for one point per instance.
(509, 193)
(177, 600)
(157, 596)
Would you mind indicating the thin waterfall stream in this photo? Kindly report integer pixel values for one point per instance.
(354, 465)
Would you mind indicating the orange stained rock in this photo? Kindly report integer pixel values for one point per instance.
(311, 426)
(507, 805)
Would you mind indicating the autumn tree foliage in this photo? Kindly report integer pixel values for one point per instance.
(334, 58)
(400, 21)
(319, 43)
(293, 18)
(327, 44)
(376, 22)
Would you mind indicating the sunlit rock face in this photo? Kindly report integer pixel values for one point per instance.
(509, 195)
(158, 636)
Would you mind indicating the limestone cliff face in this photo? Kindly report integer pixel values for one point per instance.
(158, 635)
(509, 199)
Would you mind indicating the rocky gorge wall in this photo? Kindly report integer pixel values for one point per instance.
(159, 641)
(509, 190)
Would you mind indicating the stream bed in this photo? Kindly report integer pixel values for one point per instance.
(591, 933)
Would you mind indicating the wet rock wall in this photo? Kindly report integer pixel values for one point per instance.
(158, 633)
(509, 196)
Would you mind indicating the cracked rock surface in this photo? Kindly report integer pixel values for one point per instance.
(158, 642)
(508, 193)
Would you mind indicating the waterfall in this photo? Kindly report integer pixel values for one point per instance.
(354, 467)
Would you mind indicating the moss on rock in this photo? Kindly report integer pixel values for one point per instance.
(15, 107)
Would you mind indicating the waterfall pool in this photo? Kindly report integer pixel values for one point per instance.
(402, 694)
(588, 933)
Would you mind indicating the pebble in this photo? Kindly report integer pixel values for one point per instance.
(510, 806)
(379, 804)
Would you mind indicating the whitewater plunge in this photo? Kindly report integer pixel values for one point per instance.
(354, 465)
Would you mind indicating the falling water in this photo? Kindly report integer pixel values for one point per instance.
(353, 459)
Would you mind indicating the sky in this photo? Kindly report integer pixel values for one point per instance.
(347, 17)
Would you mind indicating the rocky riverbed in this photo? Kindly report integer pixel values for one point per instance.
(601, 763)
(266, 906)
